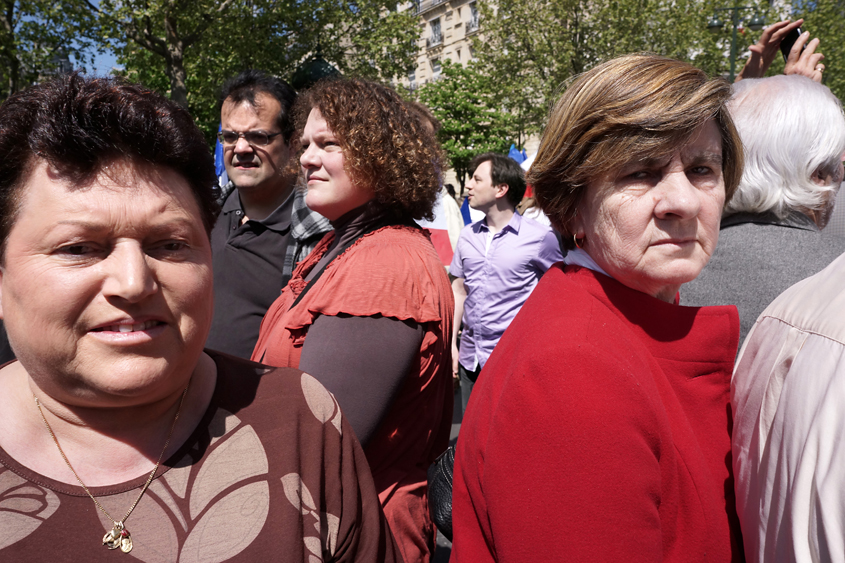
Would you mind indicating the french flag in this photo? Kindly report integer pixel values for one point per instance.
(219, 164)
(469, 214)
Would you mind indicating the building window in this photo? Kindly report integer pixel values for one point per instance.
(436, 37)
(412, 76)
(435, 68)
(473, 17)
(458, 54)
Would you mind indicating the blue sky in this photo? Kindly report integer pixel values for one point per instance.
(103, 64)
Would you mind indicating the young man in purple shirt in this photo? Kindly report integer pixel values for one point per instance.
(496, 265)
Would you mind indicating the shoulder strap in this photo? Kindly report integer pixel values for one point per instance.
(386, 222)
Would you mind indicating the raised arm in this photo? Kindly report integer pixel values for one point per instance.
(805, 62)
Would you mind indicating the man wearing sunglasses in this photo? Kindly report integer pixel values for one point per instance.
(264, 227)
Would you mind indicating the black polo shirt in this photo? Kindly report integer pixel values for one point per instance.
(248, 264)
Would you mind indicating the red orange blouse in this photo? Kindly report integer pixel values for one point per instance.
(392, 272)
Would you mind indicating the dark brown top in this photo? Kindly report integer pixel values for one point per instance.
(273, 472)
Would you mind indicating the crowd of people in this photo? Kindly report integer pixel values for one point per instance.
(265, 370)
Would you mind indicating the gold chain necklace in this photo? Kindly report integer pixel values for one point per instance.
(118, 536)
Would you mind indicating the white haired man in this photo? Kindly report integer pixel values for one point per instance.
(793, 133)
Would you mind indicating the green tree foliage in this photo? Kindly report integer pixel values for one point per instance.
(369, 39)
(165, 28)
(464, 100)
(33, 33)
(190, 47)
(533, 47)
(825, 19)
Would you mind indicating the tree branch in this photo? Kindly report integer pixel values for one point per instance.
(92, 6)
(207, 19)
(145, 39)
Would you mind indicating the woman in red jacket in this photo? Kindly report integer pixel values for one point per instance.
(599, 429)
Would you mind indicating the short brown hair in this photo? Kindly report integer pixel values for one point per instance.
(635, 106)
(423, 113)
(385, 147)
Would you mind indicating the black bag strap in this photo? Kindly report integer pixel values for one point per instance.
(384, 222)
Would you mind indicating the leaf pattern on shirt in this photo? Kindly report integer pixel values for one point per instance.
(227, 494)
(326, 525)
(322, 403)
(23, 507)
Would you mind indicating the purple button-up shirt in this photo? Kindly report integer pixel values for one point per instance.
(498, 280)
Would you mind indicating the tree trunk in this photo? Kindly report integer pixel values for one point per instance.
(176, 64)
(8, 49)
(14, 76)
(461, 174)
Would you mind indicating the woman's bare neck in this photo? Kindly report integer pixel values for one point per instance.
(105, 446)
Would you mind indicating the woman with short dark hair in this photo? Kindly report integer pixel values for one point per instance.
(114, 419)
(369, 312)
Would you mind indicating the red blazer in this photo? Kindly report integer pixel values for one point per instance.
(599, 430)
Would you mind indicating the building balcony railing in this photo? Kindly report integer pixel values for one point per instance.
(425, 5)
(434, 40)
(472, 24)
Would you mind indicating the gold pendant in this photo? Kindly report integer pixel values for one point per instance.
(118, 537)
(126, 542)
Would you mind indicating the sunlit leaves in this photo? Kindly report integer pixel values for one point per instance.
(358, 37)
(825, 19)
(465, 101)
(32, 35)
(532, 47)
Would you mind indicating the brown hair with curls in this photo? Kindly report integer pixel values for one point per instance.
(630, 108)
(385, 147)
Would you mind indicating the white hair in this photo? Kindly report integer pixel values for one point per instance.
(791, 128)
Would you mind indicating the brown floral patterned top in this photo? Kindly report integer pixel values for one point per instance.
(273, 472)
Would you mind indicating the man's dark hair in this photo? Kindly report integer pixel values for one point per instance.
(81, 125)
(503, 170)
(245, 86)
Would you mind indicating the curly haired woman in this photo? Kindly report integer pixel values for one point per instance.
(369, 312)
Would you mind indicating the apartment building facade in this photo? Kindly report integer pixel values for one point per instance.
(446, 31)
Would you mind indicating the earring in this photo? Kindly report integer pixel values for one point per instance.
(575, 240)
